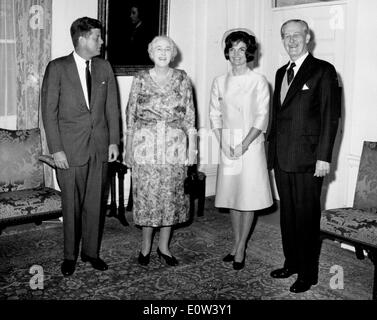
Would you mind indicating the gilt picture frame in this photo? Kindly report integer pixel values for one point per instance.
(128, 27)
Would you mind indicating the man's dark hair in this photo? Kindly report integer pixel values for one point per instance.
(246, 38)
(82, 27)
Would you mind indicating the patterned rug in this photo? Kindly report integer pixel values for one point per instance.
(201, 274)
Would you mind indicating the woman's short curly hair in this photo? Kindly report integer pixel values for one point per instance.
(171, 42)
(237, 36)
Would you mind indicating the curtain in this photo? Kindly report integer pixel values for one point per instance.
(7, 63)
(33, 48)
(33, 53)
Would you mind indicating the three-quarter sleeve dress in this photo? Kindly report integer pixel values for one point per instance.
(238, 103)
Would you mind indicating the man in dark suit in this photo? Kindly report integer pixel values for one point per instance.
(81, 118)
(306, 110)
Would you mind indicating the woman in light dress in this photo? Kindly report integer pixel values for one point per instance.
(160, 120)
(239, 107)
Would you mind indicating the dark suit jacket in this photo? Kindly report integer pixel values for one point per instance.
(70, 126)
(304, 126)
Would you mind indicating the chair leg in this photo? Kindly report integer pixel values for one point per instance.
(192, 205)
(130, 198)
(375, 282)
(112, 207)
(202, 197)
(121, 209)
(359, 252)
(373, 257)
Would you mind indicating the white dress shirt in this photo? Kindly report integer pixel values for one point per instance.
(298, 63)
(284, 85)
(81, 67)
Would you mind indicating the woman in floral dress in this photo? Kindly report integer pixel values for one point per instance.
(161, 141)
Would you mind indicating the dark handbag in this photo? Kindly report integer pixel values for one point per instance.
(195, 187)
(194, 182)
(189, 184)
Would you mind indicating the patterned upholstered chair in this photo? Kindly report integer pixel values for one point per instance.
(23, 195)
(358, 225)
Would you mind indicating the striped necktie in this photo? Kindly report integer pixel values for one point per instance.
(290, 73)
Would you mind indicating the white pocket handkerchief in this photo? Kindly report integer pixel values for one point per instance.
(305, 87)
(103, 82)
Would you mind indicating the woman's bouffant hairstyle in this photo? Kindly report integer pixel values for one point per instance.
(171, 42)
(237, 36)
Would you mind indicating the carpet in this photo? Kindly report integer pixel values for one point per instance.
(201, 274)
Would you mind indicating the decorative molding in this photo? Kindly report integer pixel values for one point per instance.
(353, 160)
(210, 170)
(310, 5)
(210, 186)
(8, 122)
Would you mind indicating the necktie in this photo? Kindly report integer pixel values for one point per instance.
(290, 73)
(88, 80)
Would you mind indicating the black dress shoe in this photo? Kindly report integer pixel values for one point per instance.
(239, 265)
(97, 263)
(144, 260)
(171, 261)
(282, 273)
(302, 285)
(68, 267)
(228, 258)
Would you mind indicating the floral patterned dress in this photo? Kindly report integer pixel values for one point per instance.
(160, 119)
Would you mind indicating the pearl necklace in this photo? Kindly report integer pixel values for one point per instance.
(161, 79)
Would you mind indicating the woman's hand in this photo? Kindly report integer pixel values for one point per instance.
(192, 151)
(128, 159)
(240, 149)
(228, 151)
(192, 156)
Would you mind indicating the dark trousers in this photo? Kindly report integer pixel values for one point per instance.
(300, 214)
(83, 207)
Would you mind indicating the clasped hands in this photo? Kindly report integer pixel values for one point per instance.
(233, 153)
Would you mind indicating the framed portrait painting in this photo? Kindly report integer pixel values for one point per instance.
(128, 28)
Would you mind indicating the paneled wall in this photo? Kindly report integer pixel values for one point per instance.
(361, 93)
(63, 14)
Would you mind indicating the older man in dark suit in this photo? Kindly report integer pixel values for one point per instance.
(306, 110)
(81, 118)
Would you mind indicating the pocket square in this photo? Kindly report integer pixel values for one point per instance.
(103, 82)
(305, 87)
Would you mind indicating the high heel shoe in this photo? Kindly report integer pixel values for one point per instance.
(144, 260)
(228, 258)
(171, 261)
(239, 265)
